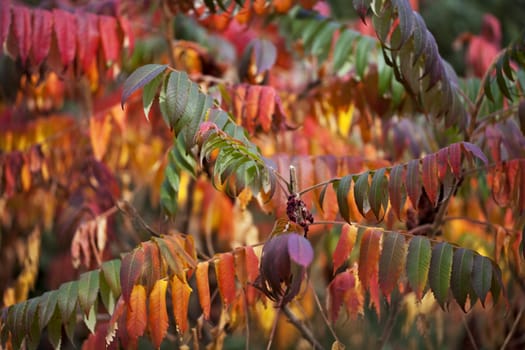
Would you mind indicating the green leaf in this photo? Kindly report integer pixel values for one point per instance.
(362, 53)
(342, 187)
(88, 287)
(418, 264)
(69, 326)
(496, 286)
(461, 279)
(111, 274)
(481, 276)
(31, 322)
(361, 193)
(15, 323)
(149, 92)
(343, 47)
(378, 195)
(391, 261)
(47, 307)
(502, 83)
(440, 271)
(90, 319)
(54, 330)
(323, 42)
(396, 189)
(139, 78)
(107, 296)
(67, 299)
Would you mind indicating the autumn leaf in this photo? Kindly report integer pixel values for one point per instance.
(180, 296)
(5, 19)
(158, 313)
(65, 30)
(88, 39)
(137, 318)
(41, 36)
(130, 271)
(22, 30)
(225, 270)
(110, 42)
(344, 246)
(203, 287)
(369, 256)
(391, 262)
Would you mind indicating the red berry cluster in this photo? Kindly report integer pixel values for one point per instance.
(298, 212)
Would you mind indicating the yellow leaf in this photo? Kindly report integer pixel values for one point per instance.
(158, 314)
(344, 122)
(100, 131)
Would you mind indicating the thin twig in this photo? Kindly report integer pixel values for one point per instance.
(320, 184)
(325, 318)
(305, 332)
(274, 327)
(469, 333)
(513, 329)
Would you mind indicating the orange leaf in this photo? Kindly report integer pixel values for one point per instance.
(180, 297)
(225, 270)
(260, 7)
(158, 314)
(136, 316)
(100, 132)
(344, 245)
(282, 6)
(152, 264)
(251, 108)
(203, 287)
(238, 96)
(369, 257)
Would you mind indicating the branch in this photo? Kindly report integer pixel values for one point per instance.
(513, 329)
(305, 332)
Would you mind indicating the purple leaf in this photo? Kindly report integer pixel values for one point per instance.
(300, 250)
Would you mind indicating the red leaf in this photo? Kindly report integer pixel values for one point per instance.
(454, 156)
(88, 38)
(442, 163)
(203, 287)
(137, 318)
(225, 270)
(130, 271)
(110, 42)
(337, 289)
(521, 203)
(344, 245)
(22, 30)
(113, 322)
(129, 37)
(396, 188)
(158, 314)
(42, 29)
(266, 107)
(5, 19)
(65, 30)
(369, 257)
(430, 177)
(413, 182)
